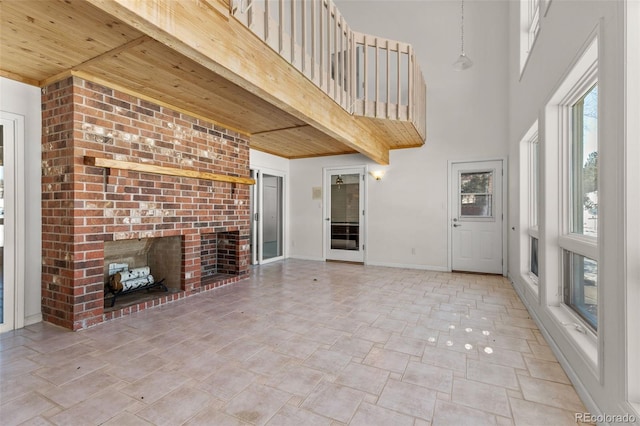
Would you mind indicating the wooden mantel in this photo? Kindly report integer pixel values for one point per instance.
(109, 163)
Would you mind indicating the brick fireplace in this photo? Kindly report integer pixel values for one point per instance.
(84, 206)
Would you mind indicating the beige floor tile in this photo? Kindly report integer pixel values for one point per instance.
(334, 401)
(292, 416)
(368, 415)
(373, 334)
(94, 411)
(408, 399)
(72, 370)
(267, 362)
(526, 413)
(448, 414)
(127, 419)
(543, 352)
(406, 345)
(501, 356)
(492, 374)
(297, 380)
(551, 393)
(176, 407)
(227, 382)
(389, 324)
(257, 404)
(353, 346)
(213, 416)
(153, 387)
(546, 370)
(80, 389)
(24, 408)
(363, 377)
(430, 376)
(445, 358)
(387, 360)
(481, 396)
(329, 361)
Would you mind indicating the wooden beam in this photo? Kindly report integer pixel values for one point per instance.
(231, 50)
(108, 163)
(17, 77)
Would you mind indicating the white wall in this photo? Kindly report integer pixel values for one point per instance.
(563, 33)
(22, 99)
(466, 119)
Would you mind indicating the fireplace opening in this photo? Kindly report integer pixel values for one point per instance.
(135, 260)
(219, 256)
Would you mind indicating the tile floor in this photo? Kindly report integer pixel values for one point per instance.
(298, 343)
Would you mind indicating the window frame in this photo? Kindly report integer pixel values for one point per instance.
(583, 245)
(555, 212)
(531, 12)
(530, 178)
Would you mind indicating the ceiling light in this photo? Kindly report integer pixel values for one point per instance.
(463, 61)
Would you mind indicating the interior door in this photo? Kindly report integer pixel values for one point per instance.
(476, 217)
(7, 225)
(272, 217)
(267, 209)
(344, 214)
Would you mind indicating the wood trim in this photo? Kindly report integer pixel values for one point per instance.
(17, 77)
(108, 163)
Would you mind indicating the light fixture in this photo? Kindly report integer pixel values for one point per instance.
(377, 174)
(463, 61)
(339, 181)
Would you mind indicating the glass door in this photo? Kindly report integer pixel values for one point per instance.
(267, 211)
(7, 223)
(344, 220)
(272, 217)
(2, 288)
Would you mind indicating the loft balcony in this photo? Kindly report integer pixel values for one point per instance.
(291, 74)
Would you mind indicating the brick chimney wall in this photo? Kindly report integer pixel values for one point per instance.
(84, 206)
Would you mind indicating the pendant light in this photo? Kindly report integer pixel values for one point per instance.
(463, 61)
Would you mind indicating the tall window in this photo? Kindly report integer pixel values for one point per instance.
(580, 277)
(530, 194)
(534, 195)
(530, 25)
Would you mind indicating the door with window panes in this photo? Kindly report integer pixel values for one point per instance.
(476, 217)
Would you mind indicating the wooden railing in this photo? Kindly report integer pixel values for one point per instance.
(366, 75)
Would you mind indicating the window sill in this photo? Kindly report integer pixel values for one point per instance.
(578, 334)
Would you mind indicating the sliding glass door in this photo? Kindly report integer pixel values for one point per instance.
(267, 226)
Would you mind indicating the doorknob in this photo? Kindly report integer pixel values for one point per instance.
(328, 219)
(456, 225)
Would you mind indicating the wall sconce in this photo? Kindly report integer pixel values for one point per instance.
(377, 174)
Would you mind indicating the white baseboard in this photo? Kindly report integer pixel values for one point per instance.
(33, 319)
(409, 266)
(315, 259)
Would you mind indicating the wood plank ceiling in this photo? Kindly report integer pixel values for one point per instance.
(44, 41)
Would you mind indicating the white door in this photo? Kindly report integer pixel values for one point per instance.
(476, 217)
(267, 226)
(11, 231)
(344, 214)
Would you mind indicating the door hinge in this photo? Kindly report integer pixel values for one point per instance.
(362, 212)
(363, 247)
